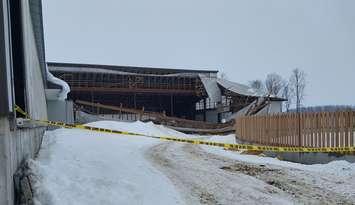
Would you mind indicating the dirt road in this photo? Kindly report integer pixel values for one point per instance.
(205, 178)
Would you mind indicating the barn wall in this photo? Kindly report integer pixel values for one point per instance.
(35, 94)
(20, 143)
(273, 107)
(15, 147)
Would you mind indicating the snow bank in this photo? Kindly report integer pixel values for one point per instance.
(83, 167)
(139, 127)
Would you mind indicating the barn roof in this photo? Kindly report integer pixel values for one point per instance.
(127, 69)
(238, 88)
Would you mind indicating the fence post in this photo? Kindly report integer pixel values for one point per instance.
(352, 128)
(347, 129)
(299, 128)
(342, 124)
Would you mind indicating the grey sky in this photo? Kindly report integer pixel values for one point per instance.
(245, 39)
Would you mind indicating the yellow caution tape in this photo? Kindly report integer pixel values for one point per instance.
(19, 110)
(198, 142)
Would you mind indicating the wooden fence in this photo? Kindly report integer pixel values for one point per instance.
(324, 129)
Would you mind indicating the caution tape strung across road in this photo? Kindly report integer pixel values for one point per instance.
(197, 142)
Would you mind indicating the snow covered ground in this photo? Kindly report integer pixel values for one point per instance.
(83, 167)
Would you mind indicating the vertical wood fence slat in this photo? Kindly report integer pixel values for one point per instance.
(333, 130)
(318, 139)
(336, 130)
(347, 129)
(341, 129)
(303, 131)
(330, 131)
(322, 136)
(352, 128)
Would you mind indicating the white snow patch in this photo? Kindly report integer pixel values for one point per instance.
(83, 167)
(230, 139)
(139, 127)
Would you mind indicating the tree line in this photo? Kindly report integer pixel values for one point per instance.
(291, 89)
(326, 108)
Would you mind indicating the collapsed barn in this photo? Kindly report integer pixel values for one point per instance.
(182, 93)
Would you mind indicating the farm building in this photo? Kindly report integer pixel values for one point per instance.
(23, 82)
(182, 93)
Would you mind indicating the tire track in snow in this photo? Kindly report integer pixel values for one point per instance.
(199, 178)
(205, 178)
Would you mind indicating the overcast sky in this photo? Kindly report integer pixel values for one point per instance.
(244, 39)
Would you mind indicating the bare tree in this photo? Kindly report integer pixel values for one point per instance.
(257, 85)
(297, 86)
(287, 94)
(273, 84)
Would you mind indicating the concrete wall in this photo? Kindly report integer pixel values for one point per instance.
(20, 143)
(312, 158)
